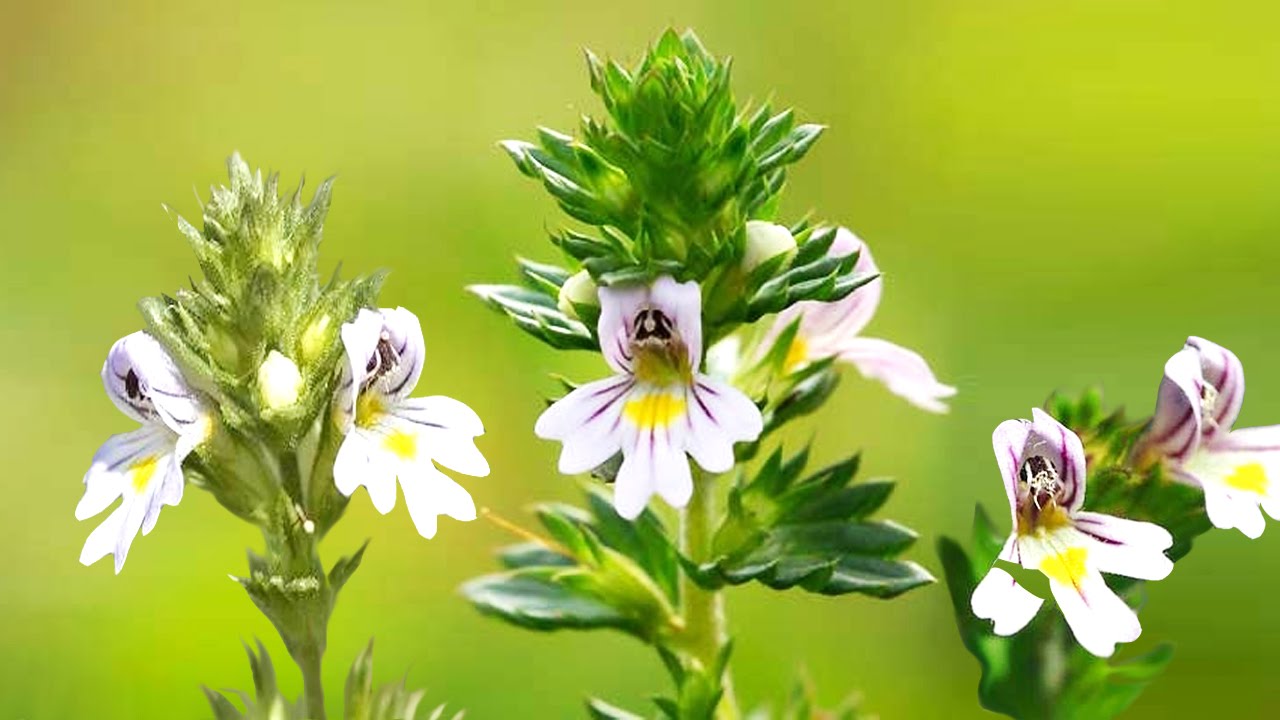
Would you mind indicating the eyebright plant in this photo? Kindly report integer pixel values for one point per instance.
(1153, 486)
(279, 396)
(718, 327)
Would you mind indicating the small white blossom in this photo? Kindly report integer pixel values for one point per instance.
(390, 435)
(1043, 465)
(657, 407)
(142, 467)
(834, 330)
(1191, 433)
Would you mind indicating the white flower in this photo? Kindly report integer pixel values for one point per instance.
(1043, 465)
(578, 289)
(658, 406)
(390, 435)
(144, 467)
(832, 330)
(765, 240)
(279, 381)
(1191, 433)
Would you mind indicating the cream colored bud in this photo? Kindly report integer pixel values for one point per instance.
(765, 240)
(279, 382)
(579, 289)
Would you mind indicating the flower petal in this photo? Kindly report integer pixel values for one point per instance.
(429, 493)
(404, 334)
(1009, 441)
(362, 460)
(1127, 547)
(634, 485)
(1000, 598)
(719, 415)
(144, 382)
(1065, 450)
(116, 463)
(682, 302)
(1098, 618)
(360, 340)
(588, 422)
(903, 371)
(1174, 431)
(445, 429)
(1221, 369)
(618, 308)
(1236, 483)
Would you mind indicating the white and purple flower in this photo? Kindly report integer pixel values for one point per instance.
(658, 406)
(143, 467)
(1191, 433)
(833, 330)
(390, 435)
(1043, 465)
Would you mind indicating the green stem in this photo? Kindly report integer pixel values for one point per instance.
(312, 682)
(706, 634)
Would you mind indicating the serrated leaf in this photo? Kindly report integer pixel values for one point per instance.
(786, 531)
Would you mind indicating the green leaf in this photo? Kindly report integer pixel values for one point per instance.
(595, 570)
(537, 314)
(815, 532)
(533, 598)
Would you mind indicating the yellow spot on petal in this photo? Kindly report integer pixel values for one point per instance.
(403, 444)
(368, 409)
(141, 472)
(654, 410)
(1250, 478)
(797, 354)
(1067, 567)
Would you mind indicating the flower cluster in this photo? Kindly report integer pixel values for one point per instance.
(387, 434)
(1189, 440)
(277, 394)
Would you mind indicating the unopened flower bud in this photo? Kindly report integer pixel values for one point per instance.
(279, 381)
(579, 289)
(765, 240)
(316, 338)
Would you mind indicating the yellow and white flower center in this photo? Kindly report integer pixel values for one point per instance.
(142, 471)
(403, 444)
(1067, 567)
(655, 410)
(1250, 477)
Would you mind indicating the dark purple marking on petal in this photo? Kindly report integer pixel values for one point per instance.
(702, 405)
(622, 390)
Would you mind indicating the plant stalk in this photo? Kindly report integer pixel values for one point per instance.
(706, 631)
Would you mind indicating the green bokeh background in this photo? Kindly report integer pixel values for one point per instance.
(1058, 193)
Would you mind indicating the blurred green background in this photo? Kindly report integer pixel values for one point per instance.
(1059, 193)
